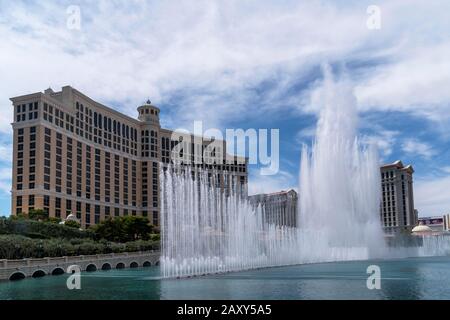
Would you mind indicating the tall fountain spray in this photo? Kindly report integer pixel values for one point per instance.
(206, 230)
(340, 183)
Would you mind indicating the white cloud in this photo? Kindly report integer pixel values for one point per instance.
(127, 53)
(417, 82)
(5, 181)
(416, 147)
(431, 196)
(6, 152)
(216, 51)
(385, 141)
(446, 169)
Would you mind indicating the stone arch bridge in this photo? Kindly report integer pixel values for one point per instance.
(20, 269)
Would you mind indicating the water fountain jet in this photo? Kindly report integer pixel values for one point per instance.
(206, 231)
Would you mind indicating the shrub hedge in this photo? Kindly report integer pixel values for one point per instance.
(19, 247)
(41, 230)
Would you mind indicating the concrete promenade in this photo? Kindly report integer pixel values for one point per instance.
(19, 269)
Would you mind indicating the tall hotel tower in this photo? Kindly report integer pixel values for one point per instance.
(75, 155)
(397, 210)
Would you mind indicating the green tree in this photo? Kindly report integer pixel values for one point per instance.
(109, 229)
(19, 216)
(72, 224)
(136, 228)
(54, 220)
(123, 229)
(38, 214)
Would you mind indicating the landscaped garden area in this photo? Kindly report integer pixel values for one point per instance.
(36, 236)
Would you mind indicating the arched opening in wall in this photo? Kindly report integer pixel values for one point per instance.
(38, 274)
(120, 265)
(134, 265)
(147, 264)
(157, 263)
(106, 266)
(91, 267)
(57, 271)
(17, 276)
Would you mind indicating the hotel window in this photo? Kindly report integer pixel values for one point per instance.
(155, 218)
(69, 166)
(19, 201)
(133, 182)
(144, 185)
(97, 214)
(88, 214)
(78, 209)
(88, 172)
(46, 203)
(116, 179)
(97, 174)
(79, 167)
(125, 181)
(58, 168)
(58, 207)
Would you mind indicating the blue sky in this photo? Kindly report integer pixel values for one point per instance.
(252, 64)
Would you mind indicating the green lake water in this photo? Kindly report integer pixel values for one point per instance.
(413, 278)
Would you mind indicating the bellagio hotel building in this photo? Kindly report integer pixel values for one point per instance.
(75, 155)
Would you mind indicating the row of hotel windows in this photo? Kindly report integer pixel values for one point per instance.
(389, 208)
(149, 142)
(147, 111)
(95, 127)
(111, 133)
(80, 208)
(31, 158)
(167, 145)
(387, 175)
(155, 189)
(22, 111)
(99, 181)
(390, 175)
(404, 201)
(114, 135)
(57, 167)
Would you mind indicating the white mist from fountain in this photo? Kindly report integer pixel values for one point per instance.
(205, 230)
(339, 183)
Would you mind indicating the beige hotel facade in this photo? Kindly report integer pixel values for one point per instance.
(397, 207)
(72, 154)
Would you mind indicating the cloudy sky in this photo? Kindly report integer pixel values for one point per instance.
(245, 64)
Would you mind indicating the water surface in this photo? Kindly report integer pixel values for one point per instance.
(412, 278)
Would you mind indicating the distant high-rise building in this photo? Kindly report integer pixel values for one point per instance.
(397, 208)
(446, 222)
(75, 155)
(278, 208)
